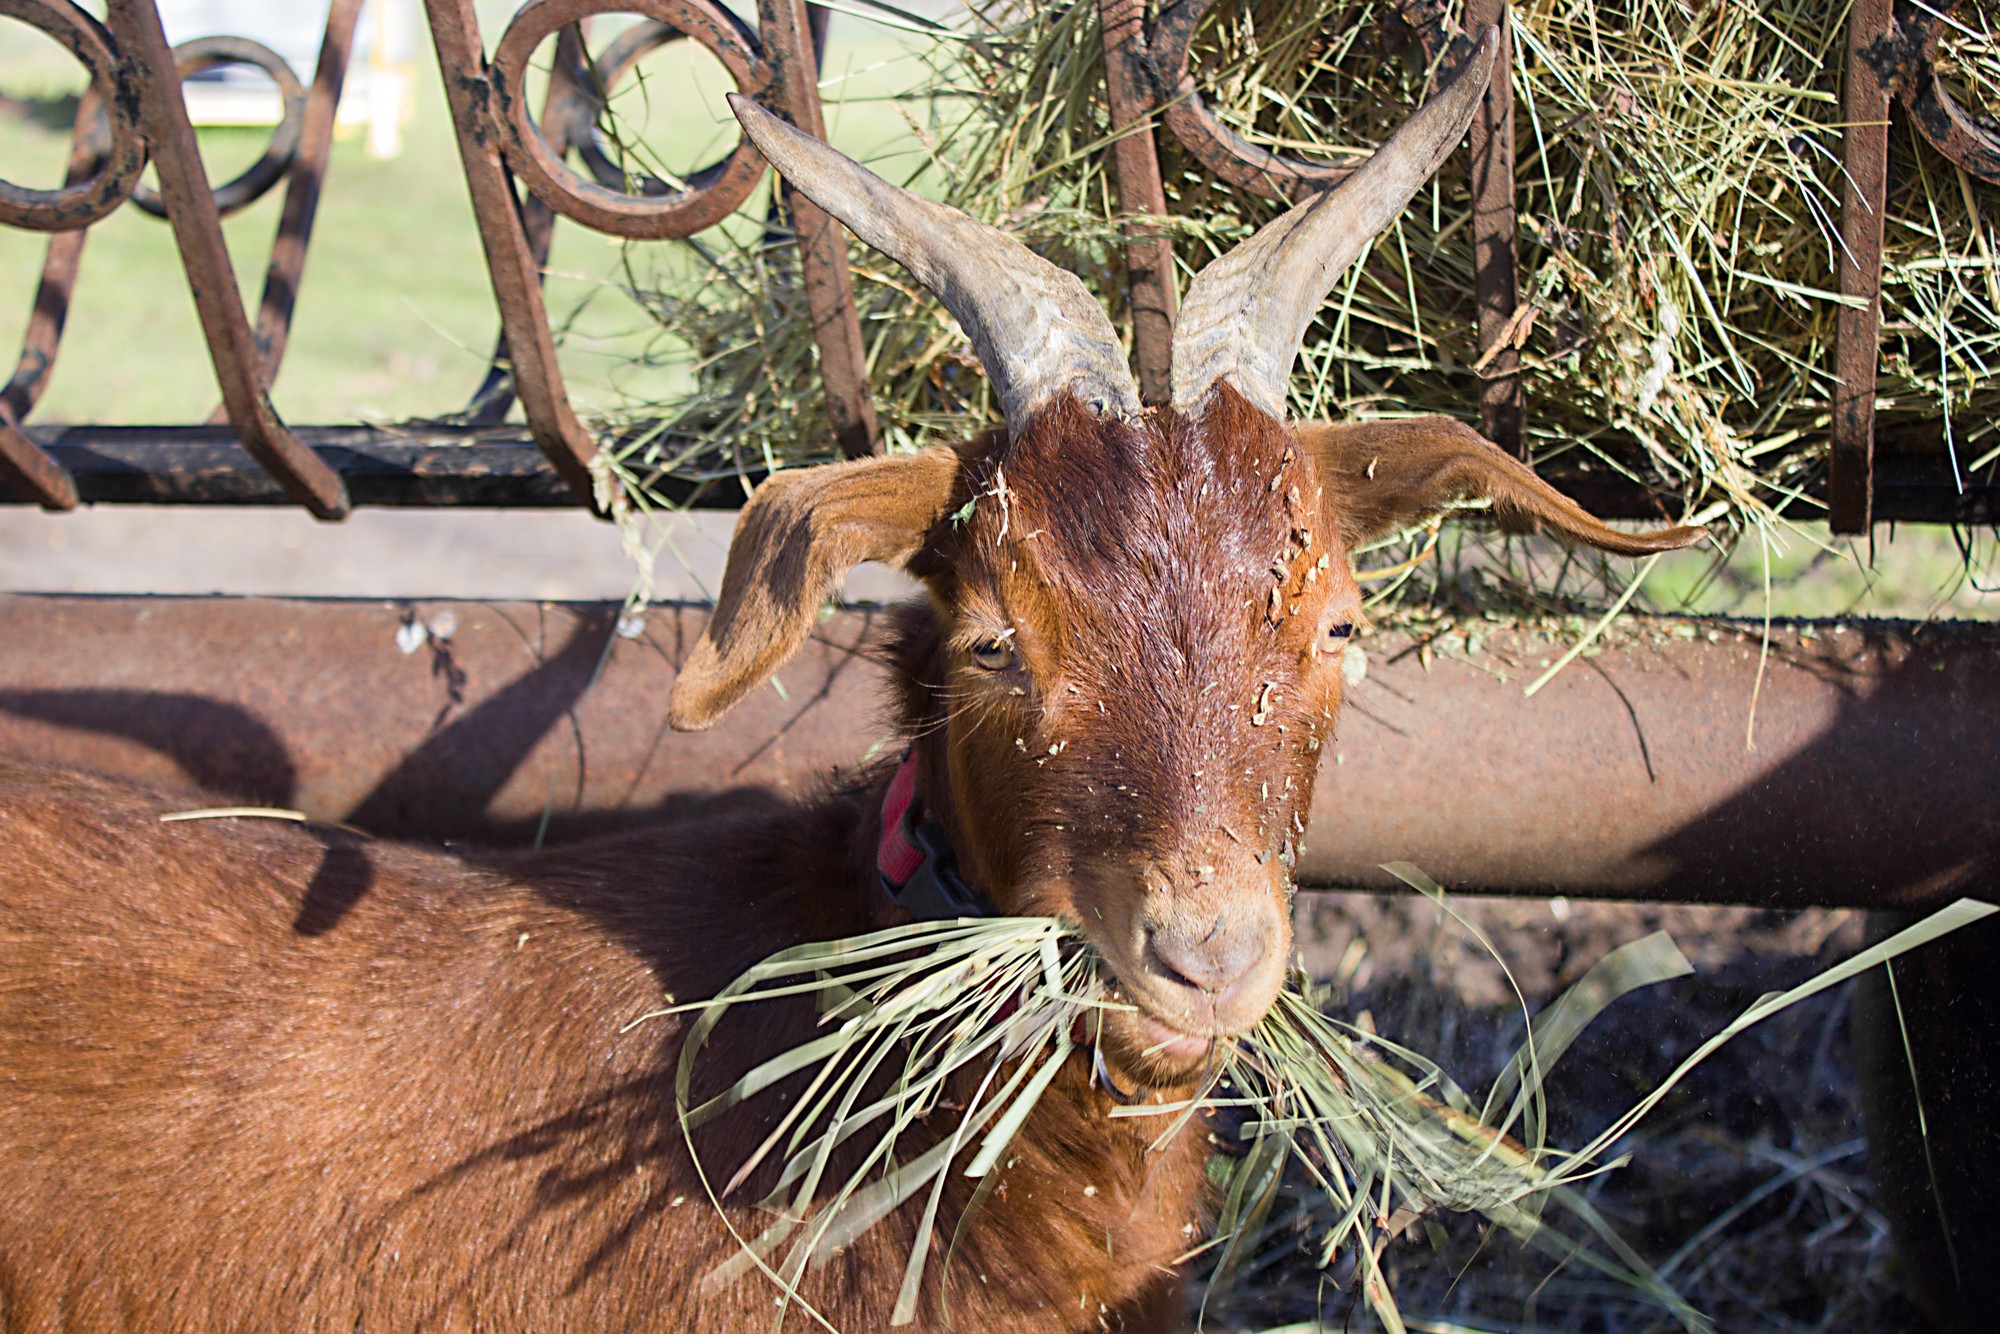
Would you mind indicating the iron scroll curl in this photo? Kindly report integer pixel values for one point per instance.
(598, 200)
(254, 181)
(80, 203)
(1224, 152)
(1905, 59)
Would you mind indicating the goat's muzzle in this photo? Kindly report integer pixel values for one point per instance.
(1200, 963)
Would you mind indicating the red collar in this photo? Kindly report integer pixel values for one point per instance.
(914, 859)
(919, 872)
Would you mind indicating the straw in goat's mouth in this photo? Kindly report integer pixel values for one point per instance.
(911, 1015)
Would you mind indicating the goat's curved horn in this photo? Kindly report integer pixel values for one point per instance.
(1035, 327)
(1245, 314)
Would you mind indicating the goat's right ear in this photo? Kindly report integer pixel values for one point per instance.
(801, 532)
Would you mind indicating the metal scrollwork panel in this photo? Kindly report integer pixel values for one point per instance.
(600, 200)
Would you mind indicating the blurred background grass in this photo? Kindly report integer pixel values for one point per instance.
(395, 318)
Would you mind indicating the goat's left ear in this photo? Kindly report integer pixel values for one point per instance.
(1387, 475)
(800, 533)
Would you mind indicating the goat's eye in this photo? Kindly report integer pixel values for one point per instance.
(994, 655)
(1338, 631)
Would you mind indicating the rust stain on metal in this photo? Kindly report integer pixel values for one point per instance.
(1149, 256)
(1864, 194)
(510, 263)
(1494, 232)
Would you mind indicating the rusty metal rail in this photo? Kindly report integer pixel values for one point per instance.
(1871, 783)
(524, 170)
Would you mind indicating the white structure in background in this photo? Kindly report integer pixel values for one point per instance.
(378, 94)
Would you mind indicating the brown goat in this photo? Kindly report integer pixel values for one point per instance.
(435, 1115)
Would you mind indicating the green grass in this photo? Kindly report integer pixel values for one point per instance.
(395, 317)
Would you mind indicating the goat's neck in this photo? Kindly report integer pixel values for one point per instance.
(924, 717)
(1106, 1207)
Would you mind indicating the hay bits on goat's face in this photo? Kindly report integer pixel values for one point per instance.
(1145, 730)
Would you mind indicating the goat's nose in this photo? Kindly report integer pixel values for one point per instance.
(1214, 952)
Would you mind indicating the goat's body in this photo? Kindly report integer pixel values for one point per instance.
(258, 1074)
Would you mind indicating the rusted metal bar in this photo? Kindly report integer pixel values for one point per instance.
(307, 174)
(441, 466)
(168, 690)
(510, 263)
(1626, 778)
(212, 281)
(202, 465)
(1863, 199)
(1494, 234)
(793, 65)
(23, 463)
(1629, 777)
(1135, 161)
(565, 113)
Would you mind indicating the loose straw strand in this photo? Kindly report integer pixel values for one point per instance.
(1404, 567)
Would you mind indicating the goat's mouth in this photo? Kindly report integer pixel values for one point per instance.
(1146, 1050)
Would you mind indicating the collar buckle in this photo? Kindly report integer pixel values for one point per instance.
(931, 889)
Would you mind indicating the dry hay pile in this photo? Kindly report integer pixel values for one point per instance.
(1678, 187)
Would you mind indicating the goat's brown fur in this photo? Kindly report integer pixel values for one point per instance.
(217, 1115)
(430, 1117)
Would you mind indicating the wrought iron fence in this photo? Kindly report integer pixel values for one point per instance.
(524, 169)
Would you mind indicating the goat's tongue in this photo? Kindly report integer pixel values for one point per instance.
(1158, 1038)
(1170, 1042)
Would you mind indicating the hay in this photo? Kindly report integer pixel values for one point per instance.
(1678, 190)
(974, 1018)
